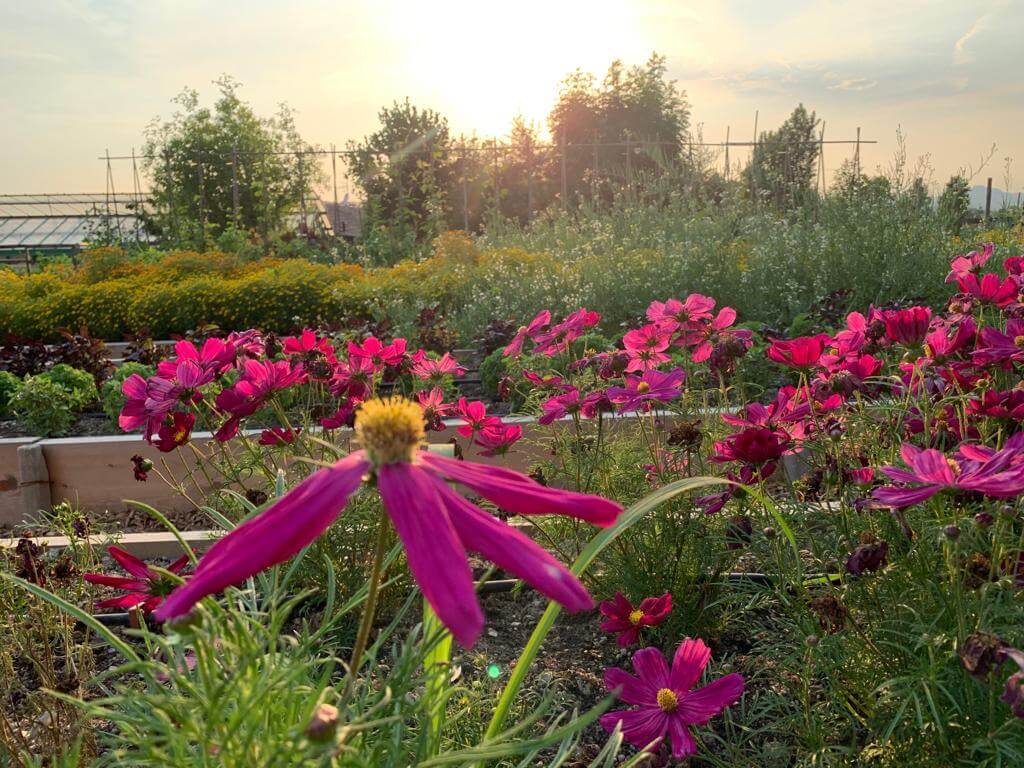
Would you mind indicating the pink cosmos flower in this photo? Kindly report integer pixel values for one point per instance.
(702, 339)
(756, 446)
(259, 380)
(641, 391)
(217, 355)
(940, 345)
(434, 522)
(435, 409)
(379, 355)
(248, 343)
(560, 336)
(627, 621)
(970, 264)
(713, 503)
(908, 326)
(136, 412)
(646, 346)
(536, 326)
(146, 588)
(990, 289)
(344, 416)
(997, 474)
(312, 355)
(995, 346)
(553, 382)
(497, 440)
(437, 370)
(1008, 405)
(354, 378)
(786, 413)
(802, 352)
(667, 705)
(278, 436)
(475, 415)
(677, 315)
(175, 431)
(597, 402)
(556, 407)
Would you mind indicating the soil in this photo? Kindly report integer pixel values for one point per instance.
(88, 425)
(128, 520)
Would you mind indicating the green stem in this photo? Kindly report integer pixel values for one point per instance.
(366, 622)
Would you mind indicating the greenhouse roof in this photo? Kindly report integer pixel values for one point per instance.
(64, 220)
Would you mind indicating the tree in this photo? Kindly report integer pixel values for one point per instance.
(954, 204)
(635, 108)
(226, 167)
(782, 165)
(406, 169)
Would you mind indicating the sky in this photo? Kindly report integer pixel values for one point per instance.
(78, 78)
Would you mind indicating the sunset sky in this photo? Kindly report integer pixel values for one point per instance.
(77, 78)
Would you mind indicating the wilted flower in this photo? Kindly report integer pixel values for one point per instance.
(667, 705)
(175, 431)
(323, 724)
(141, 467)
(867, 558)
(279, 436)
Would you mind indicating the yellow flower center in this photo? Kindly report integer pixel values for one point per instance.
(1018, 341)
(643, 387)
(667, 700)
(389, 429)
(635, 616)
(954, 466)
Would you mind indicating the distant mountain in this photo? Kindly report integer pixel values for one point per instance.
(1000, 199)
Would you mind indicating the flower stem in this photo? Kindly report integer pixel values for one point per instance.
(366, 622)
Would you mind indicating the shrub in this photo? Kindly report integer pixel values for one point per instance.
(111, 397)
(77, 383)
(9, 386)
(492, 369)
(43, 407)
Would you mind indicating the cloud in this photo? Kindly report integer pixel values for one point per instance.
(853, 84)
(961, 54)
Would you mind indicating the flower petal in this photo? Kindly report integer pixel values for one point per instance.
(699, 706)
(633, 689)
(436, 556)
(690, 659)
(679, 735)
(519, 494)
(640, 727)
(651, 667)
(273, 536)
(513, 551)
(130, 563)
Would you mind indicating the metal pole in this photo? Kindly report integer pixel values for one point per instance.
(234, 183)
(465, 190)
(497, 191)
(565, 181)
(169, 182)
(302, 192)
(334, 182)
(727, 153)
(821, 158)
(753, 158)
(988, 199)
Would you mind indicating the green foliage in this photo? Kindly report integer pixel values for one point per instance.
(43, 407)
(111, 397)
(79, 384)
(783, 163)
(199, 157)
(492, 369)
(954, 205)
(9, 386)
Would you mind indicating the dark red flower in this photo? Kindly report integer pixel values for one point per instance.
(144, 587)
(908, 326)
(627, 621)
(803, 352)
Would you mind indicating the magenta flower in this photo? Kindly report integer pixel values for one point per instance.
(646, 346)
(136, 412)
(995, 346)
(175, 431)
(537, 326)
(803, 352)
(990, 289)
(353, 379)
(1008, 405)
(641, 391)
(908, 326)
(379, 355)
(559, 406)
(756, 446)
(702, 340)
(961, 266)
(434, 522)
(940, 345)
(216, 356)
(435, 409)
(627, 621)
(667, 705)
(259, 380)
(678, 315)
(474, 413)
(497, 440)
(436, 371)
(146, 588)
(560, 336)
(997, 474)
(278, 436)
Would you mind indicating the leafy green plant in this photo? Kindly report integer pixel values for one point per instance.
(9, 386)
(77, 383)
(43, 407)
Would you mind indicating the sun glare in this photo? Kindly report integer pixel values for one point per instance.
(483, 63)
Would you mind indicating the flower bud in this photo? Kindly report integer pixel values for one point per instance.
(951, 532)
(323, 723)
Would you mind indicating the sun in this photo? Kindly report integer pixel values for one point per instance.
(483, 63)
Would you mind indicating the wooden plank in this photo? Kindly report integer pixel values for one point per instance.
(144, 545)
